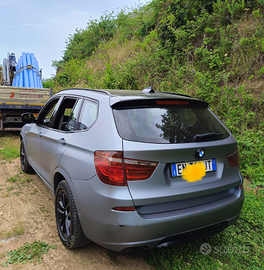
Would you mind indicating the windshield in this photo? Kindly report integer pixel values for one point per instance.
(171, 124)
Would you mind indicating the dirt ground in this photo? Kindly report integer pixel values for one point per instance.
(28, 204)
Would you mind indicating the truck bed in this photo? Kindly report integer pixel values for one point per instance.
(22, 97)
(16, 100)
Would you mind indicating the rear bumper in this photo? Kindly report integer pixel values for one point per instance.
(121, 230)
(180, 238)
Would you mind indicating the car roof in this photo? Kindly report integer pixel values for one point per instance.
(117, 95)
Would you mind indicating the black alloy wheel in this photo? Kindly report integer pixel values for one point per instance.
(68, 224)
(64, 215)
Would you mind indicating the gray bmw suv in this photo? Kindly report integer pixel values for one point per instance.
(133, 168)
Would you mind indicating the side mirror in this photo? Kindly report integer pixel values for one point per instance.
(28, 118)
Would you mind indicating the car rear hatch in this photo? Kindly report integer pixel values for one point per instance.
(175, 133)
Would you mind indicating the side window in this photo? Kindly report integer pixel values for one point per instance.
(67, 114)
(88, 115)
(47, 117)
(70, 125)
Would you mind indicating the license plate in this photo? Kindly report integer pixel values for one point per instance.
(176, 168)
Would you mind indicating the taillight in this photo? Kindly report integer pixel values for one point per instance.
(234, 158)
(113, 169)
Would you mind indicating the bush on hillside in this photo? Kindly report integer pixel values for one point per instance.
(213, 50)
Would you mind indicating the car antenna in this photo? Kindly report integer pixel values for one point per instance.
(148, 90)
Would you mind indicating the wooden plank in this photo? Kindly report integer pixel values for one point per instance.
(23, 95)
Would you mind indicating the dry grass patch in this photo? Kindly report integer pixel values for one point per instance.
(113, 52)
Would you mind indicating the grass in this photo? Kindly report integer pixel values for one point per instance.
(9, 153)
(240, 246)
(28, 253)
(33, 192)
(9, 146)
(17, 193)
(10, 188)
(18, 180)
(12, 179)
(17, 230)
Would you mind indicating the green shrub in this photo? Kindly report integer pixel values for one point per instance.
(212, 50)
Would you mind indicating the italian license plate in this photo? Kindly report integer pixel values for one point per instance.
(176, 168)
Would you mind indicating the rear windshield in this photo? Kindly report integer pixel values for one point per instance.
(171, 124)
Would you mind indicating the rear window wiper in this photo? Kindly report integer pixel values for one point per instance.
(205, 136)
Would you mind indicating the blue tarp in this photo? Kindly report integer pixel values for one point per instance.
(27, 72)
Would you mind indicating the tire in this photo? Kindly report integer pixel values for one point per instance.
(68, 223)
(24, 161)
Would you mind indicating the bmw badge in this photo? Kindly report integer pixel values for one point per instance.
(200, 153)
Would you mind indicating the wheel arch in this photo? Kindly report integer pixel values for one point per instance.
(67, 216)
(60, 175)
(21, 139)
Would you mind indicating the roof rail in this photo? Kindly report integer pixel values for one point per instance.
(89, 89)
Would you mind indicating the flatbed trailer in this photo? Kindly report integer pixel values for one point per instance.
(16, 100)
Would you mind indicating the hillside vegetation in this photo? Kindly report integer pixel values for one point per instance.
(212, 50)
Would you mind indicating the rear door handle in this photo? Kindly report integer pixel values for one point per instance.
(62, 141)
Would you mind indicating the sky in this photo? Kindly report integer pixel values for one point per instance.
(43, 27)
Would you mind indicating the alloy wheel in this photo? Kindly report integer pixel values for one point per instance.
(63, 215)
